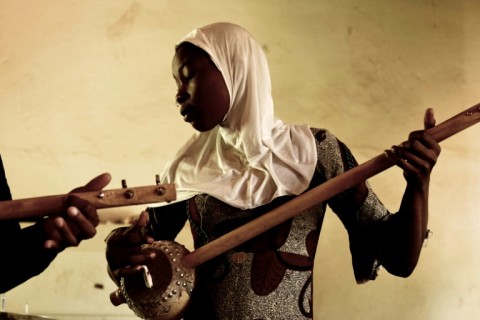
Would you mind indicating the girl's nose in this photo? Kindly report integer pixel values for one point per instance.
(181, 97)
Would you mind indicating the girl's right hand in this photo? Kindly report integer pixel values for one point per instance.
(124, 248)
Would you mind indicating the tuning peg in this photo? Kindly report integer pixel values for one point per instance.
(129, 194)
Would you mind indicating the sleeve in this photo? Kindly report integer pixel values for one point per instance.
(25, 256)
(165, 222)
(22, 249)
(4, 188)
(359, 209)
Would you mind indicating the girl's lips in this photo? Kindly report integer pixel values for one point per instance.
(187, 112)
(188, 117)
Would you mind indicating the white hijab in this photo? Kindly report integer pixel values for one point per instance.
(251, 157)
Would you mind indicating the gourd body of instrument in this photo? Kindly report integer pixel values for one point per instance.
(271, 219)
(161, 291)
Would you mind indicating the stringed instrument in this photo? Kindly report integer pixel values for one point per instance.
(22, 209)
(162, 291)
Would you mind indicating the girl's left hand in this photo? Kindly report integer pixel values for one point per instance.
(418, 155)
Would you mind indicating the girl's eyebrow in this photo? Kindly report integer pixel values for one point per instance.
(182, 65)
(186, 61)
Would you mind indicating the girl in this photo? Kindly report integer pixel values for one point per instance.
(241, 163)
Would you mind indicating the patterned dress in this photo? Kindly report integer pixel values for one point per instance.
(270, 276)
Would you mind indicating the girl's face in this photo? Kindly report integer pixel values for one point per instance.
(202, 93)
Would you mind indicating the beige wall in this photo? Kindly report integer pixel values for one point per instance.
(85, 87)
